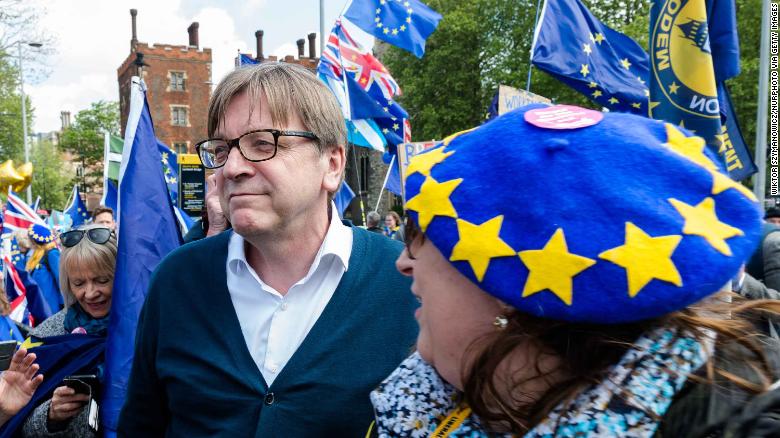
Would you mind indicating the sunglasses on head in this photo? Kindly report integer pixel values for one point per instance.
(95, 235)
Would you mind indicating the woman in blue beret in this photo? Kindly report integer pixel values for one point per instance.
(43, 264)
(87, 266)
(572, 269)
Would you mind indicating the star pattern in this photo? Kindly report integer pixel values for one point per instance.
(553, 268)
(433, 200)
(645, 258)
(701, 220)
(478, 244)
(624, 62)
(585, 71)
(586, 48)
(423, 163)
(673, 87)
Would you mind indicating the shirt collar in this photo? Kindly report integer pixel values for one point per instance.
(337, 242)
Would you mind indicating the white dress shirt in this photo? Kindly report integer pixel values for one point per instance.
(275, 325)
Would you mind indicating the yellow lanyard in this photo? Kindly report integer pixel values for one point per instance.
(452, 422)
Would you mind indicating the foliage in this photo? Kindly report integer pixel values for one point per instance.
(50, 181)
(85, 137)
(11, 147)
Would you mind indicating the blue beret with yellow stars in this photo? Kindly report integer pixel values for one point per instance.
(40, 234)
(601, 218)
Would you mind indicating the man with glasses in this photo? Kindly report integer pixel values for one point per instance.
(282, 325)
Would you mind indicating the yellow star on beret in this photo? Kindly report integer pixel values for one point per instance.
(645, 258)
(423, 163)
(433, 200)
(553, 268)
(478, 244)
(701, 220)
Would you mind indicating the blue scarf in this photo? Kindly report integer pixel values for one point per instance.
(76, 317)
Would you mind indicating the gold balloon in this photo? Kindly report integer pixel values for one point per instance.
(26, 172)
(16, 179)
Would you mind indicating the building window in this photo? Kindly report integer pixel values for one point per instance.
(365, 168)
(177, 80)
(180, 148)
(179, 116)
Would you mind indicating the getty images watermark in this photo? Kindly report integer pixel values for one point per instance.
(774, 85)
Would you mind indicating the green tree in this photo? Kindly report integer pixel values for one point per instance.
(11, 147)
(50, 180)
(85, 137)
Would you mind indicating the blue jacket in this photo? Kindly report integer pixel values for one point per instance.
(193, 375)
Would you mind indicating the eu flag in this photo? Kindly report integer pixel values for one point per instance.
(77, 209)
(683, 89)
(579, 50)
(148, 231)
(402, 23)
(343, 197)
(57, 357)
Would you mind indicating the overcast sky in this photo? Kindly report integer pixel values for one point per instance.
(93, 38)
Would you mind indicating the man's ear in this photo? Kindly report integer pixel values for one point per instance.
(336, 161)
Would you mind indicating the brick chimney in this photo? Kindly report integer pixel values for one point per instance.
(300, 44)
(312, 49)
(134, 39)
(259, 41)
(193, 32)
(65, 119)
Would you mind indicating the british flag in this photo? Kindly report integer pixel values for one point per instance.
(342, 50)
(18, 215)
(16, 293)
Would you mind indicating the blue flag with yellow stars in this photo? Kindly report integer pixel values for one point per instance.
(57, 357)
(77, 209)
(579, 50)
(683, 89)
(170, 170)
(402, 23)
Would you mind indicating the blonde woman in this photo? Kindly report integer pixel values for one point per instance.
(87, 278)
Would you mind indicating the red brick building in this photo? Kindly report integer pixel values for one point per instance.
(178, 81)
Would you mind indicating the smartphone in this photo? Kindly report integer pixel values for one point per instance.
(7, 350)
(82, 384)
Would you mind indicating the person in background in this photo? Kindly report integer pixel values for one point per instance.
(18, 384)
(393, 227)
(772, 216)
(292, 316)
(87, 266)
(43, 264)
(23, 243)
(539, 320)
(104, 216)
(372, 222)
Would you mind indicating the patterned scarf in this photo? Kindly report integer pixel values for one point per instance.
(76, 318)
(414, 399)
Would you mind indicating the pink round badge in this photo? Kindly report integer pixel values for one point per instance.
(563, 117)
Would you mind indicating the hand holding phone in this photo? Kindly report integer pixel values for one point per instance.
(7, 350)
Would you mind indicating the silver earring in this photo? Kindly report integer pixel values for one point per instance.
(501, 322)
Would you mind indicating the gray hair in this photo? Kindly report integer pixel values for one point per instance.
(373, 218)
(289, 89)
(86, 253)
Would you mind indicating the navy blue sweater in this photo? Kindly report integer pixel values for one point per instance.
(193, 374)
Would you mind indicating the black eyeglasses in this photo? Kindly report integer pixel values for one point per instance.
(96, 235)
(410, 235)
(255, 146)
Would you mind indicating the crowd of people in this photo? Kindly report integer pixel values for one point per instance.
(553, 277)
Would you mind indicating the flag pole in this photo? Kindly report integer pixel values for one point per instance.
(530, 59)
(759, 182)
(360, 189)
(384, 183)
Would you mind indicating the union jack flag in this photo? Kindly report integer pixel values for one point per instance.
(18, 215)
(342, 50)
(17, 293)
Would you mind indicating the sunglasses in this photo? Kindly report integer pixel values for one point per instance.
(95, 235)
